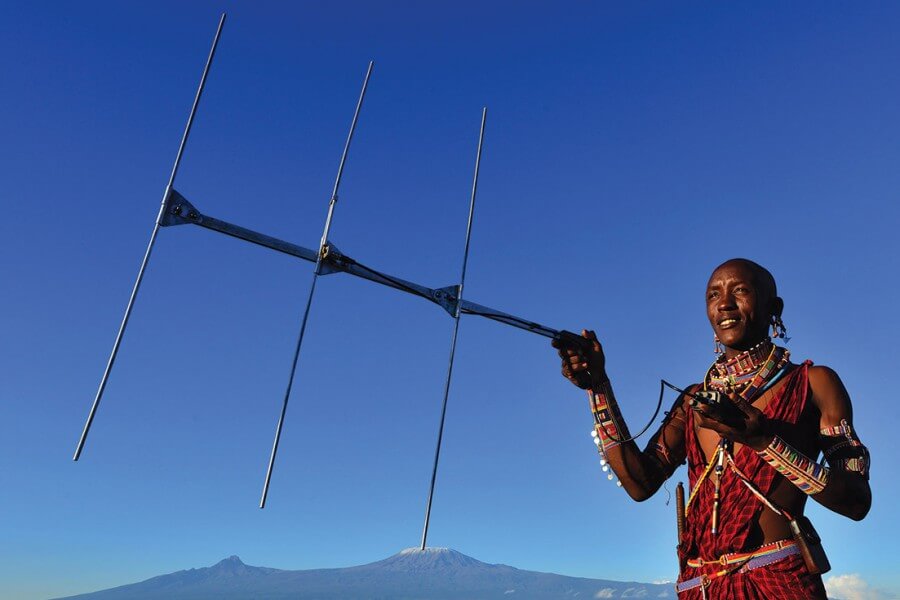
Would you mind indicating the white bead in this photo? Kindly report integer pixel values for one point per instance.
(610, 476)
(602, 462)
(593, 433)
(605, 468)
(619, 483)
(596, 441)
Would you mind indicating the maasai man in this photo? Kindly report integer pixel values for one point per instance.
(751, 456)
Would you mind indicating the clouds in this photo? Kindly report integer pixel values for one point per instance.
(627, 593)
(852, 587)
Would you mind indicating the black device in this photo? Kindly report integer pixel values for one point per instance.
(708, 397)
(574, 339)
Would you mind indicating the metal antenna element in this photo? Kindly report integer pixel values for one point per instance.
(323, 246)
(456, 313)
(159, 218)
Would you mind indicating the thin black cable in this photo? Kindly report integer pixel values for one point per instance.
(677, 389)
(662, 388)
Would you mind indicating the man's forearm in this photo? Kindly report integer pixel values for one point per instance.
(638, 473)
(842, 488)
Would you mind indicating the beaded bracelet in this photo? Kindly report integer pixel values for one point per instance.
(607, 417)
(809, 476)
(607, 432)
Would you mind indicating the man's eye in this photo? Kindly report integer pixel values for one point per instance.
(712, 295)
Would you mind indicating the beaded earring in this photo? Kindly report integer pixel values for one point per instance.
(778, 329)
(717, 346)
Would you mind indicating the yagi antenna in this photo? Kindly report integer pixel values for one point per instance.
(175, 209)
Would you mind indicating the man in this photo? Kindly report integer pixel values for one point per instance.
(751, 449)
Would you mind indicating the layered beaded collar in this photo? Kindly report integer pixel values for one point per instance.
(745, 363)
(749, 371)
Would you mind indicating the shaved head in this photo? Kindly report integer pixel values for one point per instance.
(761, 275)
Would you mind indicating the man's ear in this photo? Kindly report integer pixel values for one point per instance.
(777, 306)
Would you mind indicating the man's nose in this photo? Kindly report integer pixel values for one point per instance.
(726, 302)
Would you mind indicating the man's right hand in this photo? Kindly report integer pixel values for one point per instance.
(582, 357)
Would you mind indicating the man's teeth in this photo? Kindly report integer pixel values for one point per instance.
(728, 322)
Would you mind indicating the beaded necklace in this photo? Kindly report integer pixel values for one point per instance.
(744, 364)
(745, 374)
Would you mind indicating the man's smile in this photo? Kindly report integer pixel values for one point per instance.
(728, 322)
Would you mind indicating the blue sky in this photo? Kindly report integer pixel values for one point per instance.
(629, 149)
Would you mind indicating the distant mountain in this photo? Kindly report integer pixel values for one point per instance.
(413, 574)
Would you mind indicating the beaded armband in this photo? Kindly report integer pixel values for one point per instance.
(806, 474)
(609, 428)
(843, 450)
(608, 423)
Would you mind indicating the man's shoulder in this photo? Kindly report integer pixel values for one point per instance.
(828, 391)
(823, 376)
(819, 376)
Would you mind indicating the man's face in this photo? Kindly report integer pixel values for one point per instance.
(738, 305)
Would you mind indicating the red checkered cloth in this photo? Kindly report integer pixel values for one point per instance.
(738, 510)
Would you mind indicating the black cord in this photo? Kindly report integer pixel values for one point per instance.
(662, 389)
(677, 389)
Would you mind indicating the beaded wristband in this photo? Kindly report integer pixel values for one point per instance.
(806, 474)
(607, 432)
(607, 418)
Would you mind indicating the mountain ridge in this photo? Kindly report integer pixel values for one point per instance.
(411, 574)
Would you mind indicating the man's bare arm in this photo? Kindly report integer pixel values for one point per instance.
(847, 491)
(641, 473)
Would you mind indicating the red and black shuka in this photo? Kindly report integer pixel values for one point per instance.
(727, 564)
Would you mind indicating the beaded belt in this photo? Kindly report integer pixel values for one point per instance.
(761, 557)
